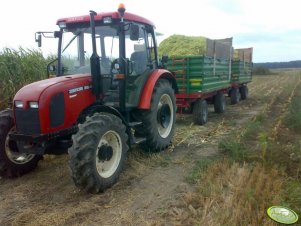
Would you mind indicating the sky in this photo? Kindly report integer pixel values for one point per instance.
(272, 28)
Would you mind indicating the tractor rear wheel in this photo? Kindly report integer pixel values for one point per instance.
(235, 95)
(219, 103)
(159, 121)
(98, 152)
(12, 162)
(244, 92)
(200, 112)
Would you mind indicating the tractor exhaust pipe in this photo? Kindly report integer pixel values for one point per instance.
(95, 61)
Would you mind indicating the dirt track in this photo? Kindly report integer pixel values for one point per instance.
(150, 186)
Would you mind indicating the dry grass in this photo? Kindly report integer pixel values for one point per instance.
(233, 192)
(230, 194)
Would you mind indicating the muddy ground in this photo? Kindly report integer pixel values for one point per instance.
(150, 187)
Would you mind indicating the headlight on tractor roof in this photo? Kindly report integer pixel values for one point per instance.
(62, 24)
(33, 104)
(19, 104)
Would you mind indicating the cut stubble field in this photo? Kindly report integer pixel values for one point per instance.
(161, 188)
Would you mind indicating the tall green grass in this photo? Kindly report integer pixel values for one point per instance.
(19, 67)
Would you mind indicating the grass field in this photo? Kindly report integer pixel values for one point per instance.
(227, 172)
(18, 68)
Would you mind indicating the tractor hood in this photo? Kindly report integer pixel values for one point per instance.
(33, 91)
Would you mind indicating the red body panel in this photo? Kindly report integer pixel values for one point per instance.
(44, 90)
(146, 95)
(100, 16)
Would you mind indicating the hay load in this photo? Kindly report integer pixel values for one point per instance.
(245, 54)
(181, 45)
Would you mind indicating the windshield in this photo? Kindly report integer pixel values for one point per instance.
(77, 49)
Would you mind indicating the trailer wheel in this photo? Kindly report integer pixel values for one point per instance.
(98, 152)
(235, 96)
(13, 163)
(244, 92)
(200, 112)
(219, 102)
(159, 121)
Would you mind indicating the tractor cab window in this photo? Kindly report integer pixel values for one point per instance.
(77, 50)
(136, 52)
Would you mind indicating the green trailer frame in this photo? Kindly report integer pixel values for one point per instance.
(207, 78)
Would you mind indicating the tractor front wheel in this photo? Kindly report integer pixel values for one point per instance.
(98, 152)
(12, 162)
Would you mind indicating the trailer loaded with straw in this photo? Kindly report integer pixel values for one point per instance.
(205, 75)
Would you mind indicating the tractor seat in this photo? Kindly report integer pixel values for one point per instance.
(139, 60)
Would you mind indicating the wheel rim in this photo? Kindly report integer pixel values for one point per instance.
(14, 156)
(165, 115)
(108, 154)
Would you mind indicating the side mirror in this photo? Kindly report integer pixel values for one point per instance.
(38, 38)
(134, 32)
(164, 59)
(51, 68)
(57, 34)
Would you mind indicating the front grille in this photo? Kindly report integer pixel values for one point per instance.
(28, 121)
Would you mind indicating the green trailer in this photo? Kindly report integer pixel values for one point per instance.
(203, 79)
(241, 74)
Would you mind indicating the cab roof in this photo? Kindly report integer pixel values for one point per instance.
(100, 16)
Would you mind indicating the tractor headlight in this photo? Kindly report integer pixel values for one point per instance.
(33, 104)
(19, 104)
(107, 20)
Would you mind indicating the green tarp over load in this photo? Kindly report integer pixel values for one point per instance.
(200, 64)
(242, 65)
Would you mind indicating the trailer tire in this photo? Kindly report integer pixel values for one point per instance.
(159, 121)
(12, 163)
(244, 92)
(98, 152)
(219, 103)
(235, 96)
(200, 112)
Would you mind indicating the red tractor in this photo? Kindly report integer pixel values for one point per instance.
(109, 93)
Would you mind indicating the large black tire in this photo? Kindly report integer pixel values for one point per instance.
(98, 152)
(159, 122)
(244, 92)
(200, 112)
(235, 96)
(13, 163)
(219, 103)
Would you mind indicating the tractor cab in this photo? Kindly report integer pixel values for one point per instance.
(120, 56)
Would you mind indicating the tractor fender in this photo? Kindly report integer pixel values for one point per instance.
(89, 111)
(146, 94)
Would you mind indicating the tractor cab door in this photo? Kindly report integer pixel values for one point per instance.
(141, 61)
